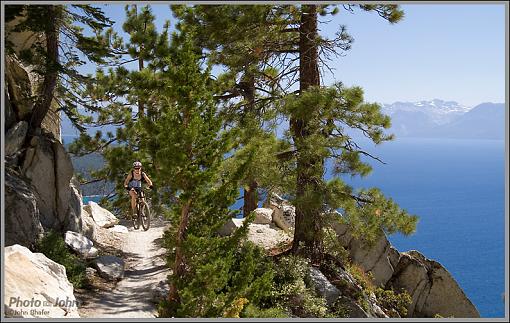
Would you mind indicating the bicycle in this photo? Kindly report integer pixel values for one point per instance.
(143, 213)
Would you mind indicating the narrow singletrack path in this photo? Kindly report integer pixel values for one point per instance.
(145, 267)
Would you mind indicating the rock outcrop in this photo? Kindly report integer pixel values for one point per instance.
(101, 216)
(267, 236)
(41, 194)
(49, 169)
(23, 81)
(21, 87)
(89, 227)
(15, 137)
(284, 213)
(346, 293)
(22, 223)
(110, 267)
(380, 258)
(80, 244)
(40, 290)
(42, 189)
(230, 226)
(432, 288)
(263, 216)
(324, 286)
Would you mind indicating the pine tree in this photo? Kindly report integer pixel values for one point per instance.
(57, 56)
(315, 135)
(315, 118)
(209, 272)
(235, 37)
(126, 98)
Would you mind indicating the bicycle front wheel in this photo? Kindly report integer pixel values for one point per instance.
(145, 215)
(136, 218)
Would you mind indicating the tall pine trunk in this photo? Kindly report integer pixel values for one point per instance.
(309, 168)
(51, 72)
(140, 68)
(180, 263)
(140, 100)
(250, 194)
(250, 198)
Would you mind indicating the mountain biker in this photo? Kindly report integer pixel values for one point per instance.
(134, 181)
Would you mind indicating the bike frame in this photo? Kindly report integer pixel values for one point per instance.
(140, 201)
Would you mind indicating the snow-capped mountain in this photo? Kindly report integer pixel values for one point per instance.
(439, 111)
(485, 121)
(446, 119)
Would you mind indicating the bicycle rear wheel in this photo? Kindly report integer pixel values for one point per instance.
(145, 215)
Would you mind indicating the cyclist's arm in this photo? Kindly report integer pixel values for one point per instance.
(126, 181)
(147, 179)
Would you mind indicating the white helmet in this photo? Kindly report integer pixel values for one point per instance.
(137, 164)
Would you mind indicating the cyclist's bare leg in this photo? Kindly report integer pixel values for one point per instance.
(132, 193)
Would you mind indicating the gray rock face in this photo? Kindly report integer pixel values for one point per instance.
(110, 267)
(23, 85)
(432, 288)
(323, 286)
(39, 169)
(50, 171)
(80, 244)
(350, 295)
(353, 308)
(10, 116)
(349, 284)
(263, 216)
(380, 258)
(15, 137)
(101, 216)
(22, 225)
(284, 213)
(88, 224)
(51, 121)
(230, 226)
(41, 289)
(19, 84)
(40, 195)
(267, 236)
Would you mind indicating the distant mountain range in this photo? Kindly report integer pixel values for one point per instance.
(433, 119)
(446, 119)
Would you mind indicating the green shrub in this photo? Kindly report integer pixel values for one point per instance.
(53, 246)
(333, 246)
(251, 311)
(219, 277)
(292, 289)
(363, 278)
(394, 303)
(338, 310)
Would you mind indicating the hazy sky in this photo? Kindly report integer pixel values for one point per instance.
(451, 52)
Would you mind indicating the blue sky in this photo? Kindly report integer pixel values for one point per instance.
(446, 51)
(451, 52)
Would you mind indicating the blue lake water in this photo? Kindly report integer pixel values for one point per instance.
(457, 189)
(94, 198)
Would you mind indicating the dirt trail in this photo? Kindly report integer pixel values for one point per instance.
(145, 267)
